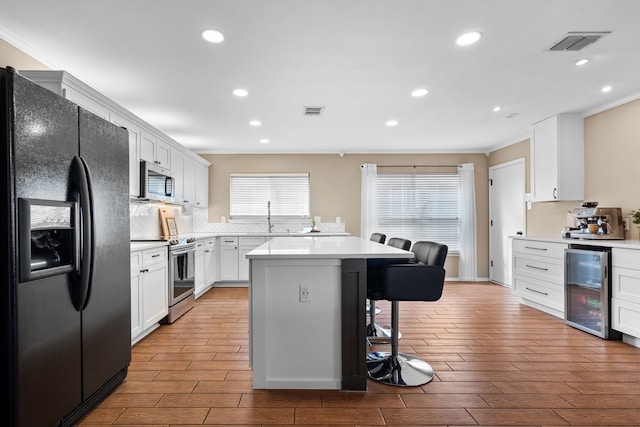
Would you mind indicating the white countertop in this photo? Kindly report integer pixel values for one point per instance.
(206, 235)
(325, 247)
(140, 246)
(151, 244)
(628, 244)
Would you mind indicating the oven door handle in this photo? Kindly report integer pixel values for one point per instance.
(182, 251)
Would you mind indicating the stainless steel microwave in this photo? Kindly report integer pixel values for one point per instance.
(156, 183)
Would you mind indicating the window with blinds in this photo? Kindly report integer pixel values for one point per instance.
(287, 192)
(420, 207)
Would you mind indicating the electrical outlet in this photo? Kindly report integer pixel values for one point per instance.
(627, 225)
(305, 293)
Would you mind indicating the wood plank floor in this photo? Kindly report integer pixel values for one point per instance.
(497, 363)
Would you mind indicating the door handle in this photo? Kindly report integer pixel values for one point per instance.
(81, 192)
(538, 292)
(537, 268)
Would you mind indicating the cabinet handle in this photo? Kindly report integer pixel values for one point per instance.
(206, 251)
(155, 256)
(144, 270)
(537, 249)
(537, 268)
(538, 292)
(555, 193)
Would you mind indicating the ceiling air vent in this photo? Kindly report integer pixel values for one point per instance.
(577, 40)
(313, 111)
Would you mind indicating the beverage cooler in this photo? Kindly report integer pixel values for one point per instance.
(588, 290)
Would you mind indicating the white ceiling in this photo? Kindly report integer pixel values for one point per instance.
(358, 58)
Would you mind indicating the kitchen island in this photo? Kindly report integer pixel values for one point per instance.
(307, 322)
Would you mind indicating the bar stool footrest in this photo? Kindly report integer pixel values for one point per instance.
(368, 308)
(380, 334)
(402, 370)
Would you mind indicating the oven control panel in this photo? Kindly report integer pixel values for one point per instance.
(174, 242)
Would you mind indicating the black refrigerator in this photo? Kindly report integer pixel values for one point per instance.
(65, 301)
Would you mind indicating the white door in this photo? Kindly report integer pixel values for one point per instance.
(506, 216)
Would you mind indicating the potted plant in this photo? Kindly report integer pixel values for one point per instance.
(635, 218)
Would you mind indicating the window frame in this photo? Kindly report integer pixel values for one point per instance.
(437, 187)
(255, 205)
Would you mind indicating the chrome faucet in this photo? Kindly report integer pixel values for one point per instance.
(269, 216)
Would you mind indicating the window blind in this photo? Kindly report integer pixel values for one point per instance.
(287, 192)
(420, 207)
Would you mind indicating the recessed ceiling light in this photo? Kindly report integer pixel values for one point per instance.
(582, 61)
(240, 92)
(391, 123)
(419, 92)
(469, 38)
(264, 141)
(255, 123)
(212, 36)
(497, 108)
(606, 89)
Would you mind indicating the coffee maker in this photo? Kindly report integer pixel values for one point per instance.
(593, 222)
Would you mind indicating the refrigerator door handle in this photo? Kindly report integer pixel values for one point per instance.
(81, 187)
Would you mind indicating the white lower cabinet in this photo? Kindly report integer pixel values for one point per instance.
(210, 261)
(234, 265)
(246, 245)
(206, 265)
(149, 290)
(625, 292)
(200, 279)
(229, 258)
(538, 274)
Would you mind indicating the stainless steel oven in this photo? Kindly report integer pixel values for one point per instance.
(182, 255)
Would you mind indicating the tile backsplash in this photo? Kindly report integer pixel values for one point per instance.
(145, 222)
(145, 219)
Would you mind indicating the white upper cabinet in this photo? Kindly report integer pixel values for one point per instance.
(557, 158)
(202, 185)
(183, 169)
(134, 151)
(67, 86)
(189, 176)
(145, 142)
(155, 150)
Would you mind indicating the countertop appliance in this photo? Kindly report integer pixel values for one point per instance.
(595, 223)
(588, 290)
(66, 300)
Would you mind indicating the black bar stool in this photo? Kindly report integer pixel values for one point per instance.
(377, 333)
(420, 281)
(378, 238)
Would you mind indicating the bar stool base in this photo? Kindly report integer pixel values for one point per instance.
(402, 370)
